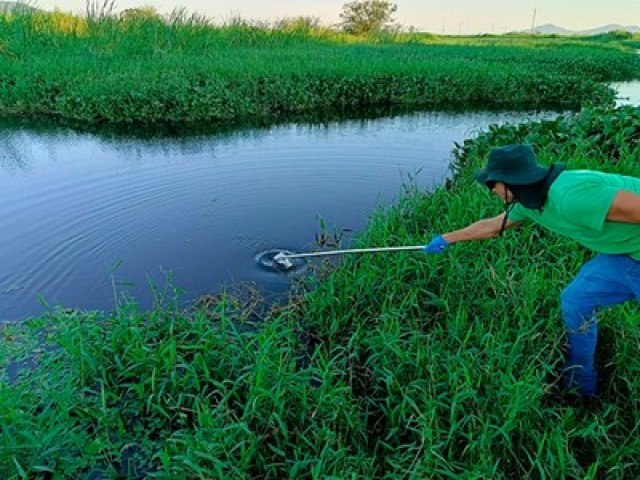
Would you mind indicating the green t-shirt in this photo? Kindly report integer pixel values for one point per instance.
(577, 206)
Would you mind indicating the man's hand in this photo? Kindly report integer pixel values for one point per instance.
(437, 245)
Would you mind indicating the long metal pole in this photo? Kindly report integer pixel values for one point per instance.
(352, 250)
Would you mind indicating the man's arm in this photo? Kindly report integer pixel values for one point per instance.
(625, 208)
(480, 230)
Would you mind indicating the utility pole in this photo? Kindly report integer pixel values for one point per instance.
(533, 21)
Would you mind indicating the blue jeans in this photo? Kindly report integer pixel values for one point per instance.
(604, 281)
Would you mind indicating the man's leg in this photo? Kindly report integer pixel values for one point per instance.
(633, 277)
(600, 283)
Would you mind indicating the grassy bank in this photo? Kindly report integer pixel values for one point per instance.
(398, 366)
(152, 71)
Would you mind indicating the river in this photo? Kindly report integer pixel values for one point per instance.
(90, 219)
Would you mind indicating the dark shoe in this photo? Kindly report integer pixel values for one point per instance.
(584, 382)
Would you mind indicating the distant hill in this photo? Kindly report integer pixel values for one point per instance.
(610, 28)
(550, 29)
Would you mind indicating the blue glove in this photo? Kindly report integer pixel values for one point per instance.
(437, 245)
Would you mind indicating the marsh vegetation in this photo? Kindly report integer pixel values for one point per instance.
(143, 69)
(386, 367)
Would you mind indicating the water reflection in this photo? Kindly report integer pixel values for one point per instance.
(628, 92)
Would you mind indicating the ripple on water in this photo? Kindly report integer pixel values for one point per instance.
(266, 261)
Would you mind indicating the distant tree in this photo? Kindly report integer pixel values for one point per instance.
(298, 24)
(139, 14)
(362, 17)
(620, 35)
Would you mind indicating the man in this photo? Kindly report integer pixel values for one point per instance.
(598, 210)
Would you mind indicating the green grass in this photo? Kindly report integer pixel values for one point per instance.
(149, 71)
(397, 366)
(394, 366)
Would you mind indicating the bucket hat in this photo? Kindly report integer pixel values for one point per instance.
(512, 165)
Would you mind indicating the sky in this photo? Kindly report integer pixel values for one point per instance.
(443, 16)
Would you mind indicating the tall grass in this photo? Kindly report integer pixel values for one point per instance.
(145, 69)
(398, 366)
(403, 366)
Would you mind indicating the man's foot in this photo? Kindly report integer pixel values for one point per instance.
(583, 382)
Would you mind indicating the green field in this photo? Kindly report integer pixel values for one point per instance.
(148, 71)
(402, 367)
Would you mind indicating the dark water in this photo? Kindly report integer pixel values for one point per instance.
(84, 213)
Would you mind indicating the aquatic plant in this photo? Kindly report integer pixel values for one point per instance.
(150, 70)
